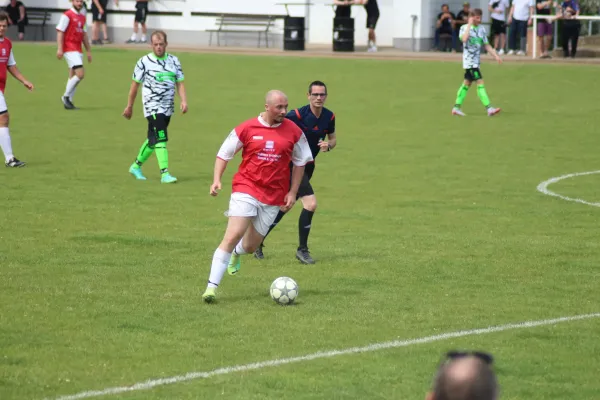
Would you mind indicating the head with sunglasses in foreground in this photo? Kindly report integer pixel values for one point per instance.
(465, 376)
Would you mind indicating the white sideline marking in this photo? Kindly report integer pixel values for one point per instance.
(325, 354)
(543, 187)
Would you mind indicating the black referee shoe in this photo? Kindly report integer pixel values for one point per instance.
(303, 255)
(14, 163)
(67, 103)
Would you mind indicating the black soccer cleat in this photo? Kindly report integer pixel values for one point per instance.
(14, 163)
(258, 253)
(68, 104)
(303, 255)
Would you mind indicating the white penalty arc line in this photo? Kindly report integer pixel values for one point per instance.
(149, 384)
(543, 187)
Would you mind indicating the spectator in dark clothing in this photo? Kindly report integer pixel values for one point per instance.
(17, 15)
(571, 27)
(445, 24)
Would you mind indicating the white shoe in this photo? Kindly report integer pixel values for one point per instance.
(500, 52)
(520, 53)
(493, 111)
(457, 111)
(511, 52)
(372, 49)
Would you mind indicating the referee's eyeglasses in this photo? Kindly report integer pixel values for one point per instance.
(318, 94)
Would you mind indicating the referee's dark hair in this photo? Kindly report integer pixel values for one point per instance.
(316, 83)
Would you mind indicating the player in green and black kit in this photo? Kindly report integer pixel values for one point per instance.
(474, 37)
(161, 75)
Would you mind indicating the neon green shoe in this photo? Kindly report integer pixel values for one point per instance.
(210, 295)
(234, 264)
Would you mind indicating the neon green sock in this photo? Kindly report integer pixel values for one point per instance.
(163, 157)
(485, 100)
(144, 154)
(461, 95)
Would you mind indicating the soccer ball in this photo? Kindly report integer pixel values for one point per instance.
(284, 290)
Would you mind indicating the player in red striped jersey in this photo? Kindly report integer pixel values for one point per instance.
(71, 32)
(8, 64)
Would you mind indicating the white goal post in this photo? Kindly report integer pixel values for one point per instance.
(555, 20)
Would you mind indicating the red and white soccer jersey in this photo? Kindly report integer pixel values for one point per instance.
(73, 24)
(6, 60)
(266, 155)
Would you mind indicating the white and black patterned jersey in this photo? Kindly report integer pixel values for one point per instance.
(159, 77)
(472, 47)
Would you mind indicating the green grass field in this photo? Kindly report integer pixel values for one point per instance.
(426, 224)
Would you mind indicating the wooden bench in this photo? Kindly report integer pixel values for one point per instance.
(243, 23)
(38, 19)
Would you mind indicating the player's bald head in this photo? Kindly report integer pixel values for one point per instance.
(466, 378)
(275, 96)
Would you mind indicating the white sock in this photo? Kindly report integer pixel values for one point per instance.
(5, 144)
(133, 36)
(219, 266)
(239, 249)
(71, 86)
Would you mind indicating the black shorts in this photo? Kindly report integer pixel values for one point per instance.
(157, 129)
(95, 12)
(473, 74)
(497, 27)
(305, 188)
(141, 9)
(372, 17)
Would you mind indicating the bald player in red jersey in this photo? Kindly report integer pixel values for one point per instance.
(8, 64)
(71, 32)
(261, 187)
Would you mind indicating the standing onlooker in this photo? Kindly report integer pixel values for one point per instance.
(519, 18)
(465, 376)
(141, 10)
(99, 9)
(17, 15)
(497, 10)
(444, 25)
(571, 27)
(544, 26)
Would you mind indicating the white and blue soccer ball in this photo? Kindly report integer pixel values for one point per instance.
(284, 290)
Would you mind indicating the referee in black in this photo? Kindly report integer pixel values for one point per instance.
(317, 122)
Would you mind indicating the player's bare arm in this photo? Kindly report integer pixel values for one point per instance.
(88, 49)
(133, 91)
(14, 71)
(60, 39)
(220, 166)
(492, 51)
(183, 96)
(465, 35)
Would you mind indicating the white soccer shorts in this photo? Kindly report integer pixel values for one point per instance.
(3, 107)
(73, 58)
(244, 205)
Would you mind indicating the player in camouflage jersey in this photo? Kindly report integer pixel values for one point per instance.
(161, 74)
(474, 36)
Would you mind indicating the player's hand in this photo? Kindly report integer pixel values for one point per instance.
(497, 57)
(323, 145)
(89, 56)
(59, 54)
(183, 106)
(28, 85)
(470, 20)
(214, 188)
(128, 112)
(290, 200)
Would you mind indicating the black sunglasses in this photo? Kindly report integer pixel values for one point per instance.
(485, 357)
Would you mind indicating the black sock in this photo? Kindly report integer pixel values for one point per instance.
(304, 227)
(280, 215)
